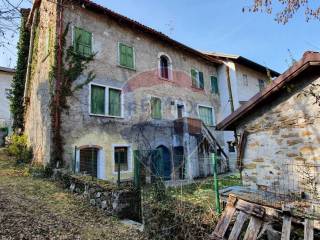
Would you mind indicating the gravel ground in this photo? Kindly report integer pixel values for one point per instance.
(33, 208)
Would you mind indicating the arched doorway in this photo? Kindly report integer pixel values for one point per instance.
(161, 163)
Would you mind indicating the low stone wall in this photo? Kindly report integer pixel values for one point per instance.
(123, 201)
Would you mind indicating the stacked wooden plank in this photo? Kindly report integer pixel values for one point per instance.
(241, 211)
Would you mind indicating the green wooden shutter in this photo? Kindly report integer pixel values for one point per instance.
(194, 77)
(214, 85)
(156, 108)
(126, 56)
(129, 57)
(82, 41)
(122, 52)
(97, 100)
(115, 102)
(201, 80)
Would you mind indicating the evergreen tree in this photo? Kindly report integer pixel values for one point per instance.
(17, 87)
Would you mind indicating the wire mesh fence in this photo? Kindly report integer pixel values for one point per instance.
(294, 188)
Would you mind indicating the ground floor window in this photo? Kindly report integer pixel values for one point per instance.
(121, 159)
(89, 161)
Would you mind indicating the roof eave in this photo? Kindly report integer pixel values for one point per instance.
(125, 20)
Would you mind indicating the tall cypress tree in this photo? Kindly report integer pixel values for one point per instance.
(17, 87)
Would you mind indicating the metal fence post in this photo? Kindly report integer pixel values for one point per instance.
(216, 182)
(137, 169)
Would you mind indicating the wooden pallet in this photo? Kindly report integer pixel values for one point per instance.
(242, 210)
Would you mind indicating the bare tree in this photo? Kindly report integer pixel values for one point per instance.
(9, 21)
(288, 8)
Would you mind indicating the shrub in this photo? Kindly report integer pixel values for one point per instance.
(19, 149)
(172, 219)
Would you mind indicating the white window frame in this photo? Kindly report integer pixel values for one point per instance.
(129, 155)
(134, 55)
(245, 81)
(101, 162)
(213, 113)
(211, 84)
(170, 73)
(264, 84)
(106, 102)
(198, 79)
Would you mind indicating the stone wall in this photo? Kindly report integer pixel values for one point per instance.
(123, 202)
(37, 116)
(283, 142)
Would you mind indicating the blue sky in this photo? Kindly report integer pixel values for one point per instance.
(220, 26)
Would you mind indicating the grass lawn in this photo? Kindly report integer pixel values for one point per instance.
(202, 191)
(35, 208)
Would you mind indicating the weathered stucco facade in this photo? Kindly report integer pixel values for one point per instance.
(134, 128)
(6, 76)
(138, 86)
(239, 92)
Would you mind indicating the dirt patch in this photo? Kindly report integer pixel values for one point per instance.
(39, 209)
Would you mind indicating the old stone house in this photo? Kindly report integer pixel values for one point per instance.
(149, 93)
(279, 132)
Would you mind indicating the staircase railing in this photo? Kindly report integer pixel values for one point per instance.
(214, 142)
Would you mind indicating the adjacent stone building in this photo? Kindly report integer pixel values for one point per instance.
(279, 133)
(150, 93)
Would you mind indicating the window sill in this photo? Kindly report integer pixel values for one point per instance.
(197, 88)
(128, 68)
(123, 172)
(165, 79)
(106, 116)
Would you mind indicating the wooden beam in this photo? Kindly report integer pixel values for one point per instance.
(286, 228)
(253, 229)
(237, 227)
(308, 229)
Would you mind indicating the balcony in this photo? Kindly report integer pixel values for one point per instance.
(192, 126)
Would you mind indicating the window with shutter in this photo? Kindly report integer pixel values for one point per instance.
(206, 115)
(214, 85)
(156, 108)
(121, 159)
(126, 55)
(97, 100)
(201, 81)
(194, 76)
(197, 79)
(114, 102)
(82, 42)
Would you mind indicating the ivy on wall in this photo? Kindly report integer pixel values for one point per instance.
(72, 67)
(18, 83)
